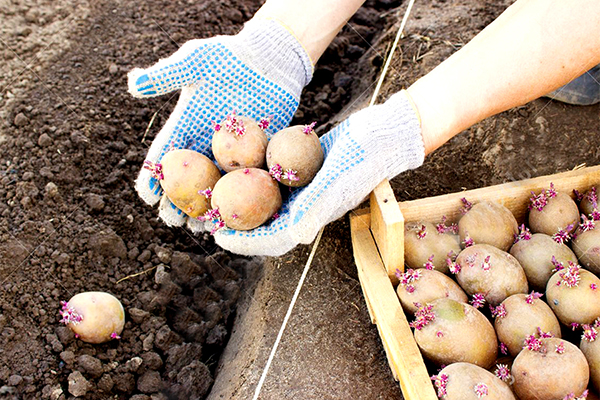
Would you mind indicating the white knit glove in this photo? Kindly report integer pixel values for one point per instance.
(258, 73)
(374, 144)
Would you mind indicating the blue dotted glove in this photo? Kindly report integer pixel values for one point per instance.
(258, 73)
(374, 144)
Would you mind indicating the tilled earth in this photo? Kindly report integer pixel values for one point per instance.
(72, 142)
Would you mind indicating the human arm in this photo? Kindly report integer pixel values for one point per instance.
(534, 47)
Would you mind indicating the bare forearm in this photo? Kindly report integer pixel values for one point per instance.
(534, 47)
(314, 22)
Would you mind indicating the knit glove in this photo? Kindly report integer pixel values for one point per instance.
(258, 73)
(374, 144)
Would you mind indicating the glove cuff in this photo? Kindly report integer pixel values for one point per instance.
(268, 47)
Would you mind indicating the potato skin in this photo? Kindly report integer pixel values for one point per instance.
(523, 319)
(246, 198)
(579, 304)
(560, 212)
(294, 149)
(503, 278)
(417, 251)
(462, 378)
(233, 151)
(587, 248)
(187, 172)
(102, 315)
(535, 256)
(489, 223)
(586, 205)
(431, 285)
(549, 375)
(591, 351)
(459, 332)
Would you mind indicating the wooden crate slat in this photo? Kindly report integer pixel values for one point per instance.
(513, 195)
(402, 352)
(387, 226)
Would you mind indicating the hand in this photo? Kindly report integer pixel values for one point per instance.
(258, 73)
(376, 143)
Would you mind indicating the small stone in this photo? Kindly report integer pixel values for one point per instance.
(67, 356)
(28, 175)
(133, 364)
(95, 202)
(44, 140)
(14, 380)
(161, 275)
(150, 382)
(51, 190)
(145, 256)
(78, 385)
(148, 343)
(152, 361)
(20, 120)
(113, 69)
(106, 383)
(163, 254)
(138, 315)
(91, 365)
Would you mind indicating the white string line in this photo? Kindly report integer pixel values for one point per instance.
(318, 239)
(392, 50)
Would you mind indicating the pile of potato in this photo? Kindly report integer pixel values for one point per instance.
(248, 195)
(529, 330)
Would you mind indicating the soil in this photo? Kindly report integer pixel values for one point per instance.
(73, 140)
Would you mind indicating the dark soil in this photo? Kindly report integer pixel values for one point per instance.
(72, 143)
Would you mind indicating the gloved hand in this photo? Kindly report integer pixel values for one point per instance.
(376, 143)
(259, 73)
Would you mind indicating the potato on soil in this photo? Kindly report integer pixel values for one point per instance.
(587, 248)
(246, 198)
(422, 241)
(464, 381)
(487, 270)
(239, 143)
(590, 346)
(423, 286)
(574, 295)
(551, 372)
(186, 174)
(557, 212)
(94, 317)
(447, 331)
(489, 223)
(535, 256)
(294, 155)
(523, 315)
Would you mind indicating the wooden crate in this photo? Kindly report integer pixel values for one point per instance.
(378, 246)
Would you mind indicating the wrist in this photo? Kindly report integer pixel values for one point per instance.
(272, 49)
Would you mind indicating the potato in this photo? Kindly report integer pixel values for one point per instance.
(464, 381)
(524, 315)
(535, 256)
(489, 223)
(574, 295)
(239, 143)
(422, 241)
(590, 346)
(294, 155)
(487, 270)
(553, 372)
(558, 212)
(94, 317)
(423, 286)
(246, 198)
(589, 202)
(447, 331)
(587, 247)
(186, 175)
